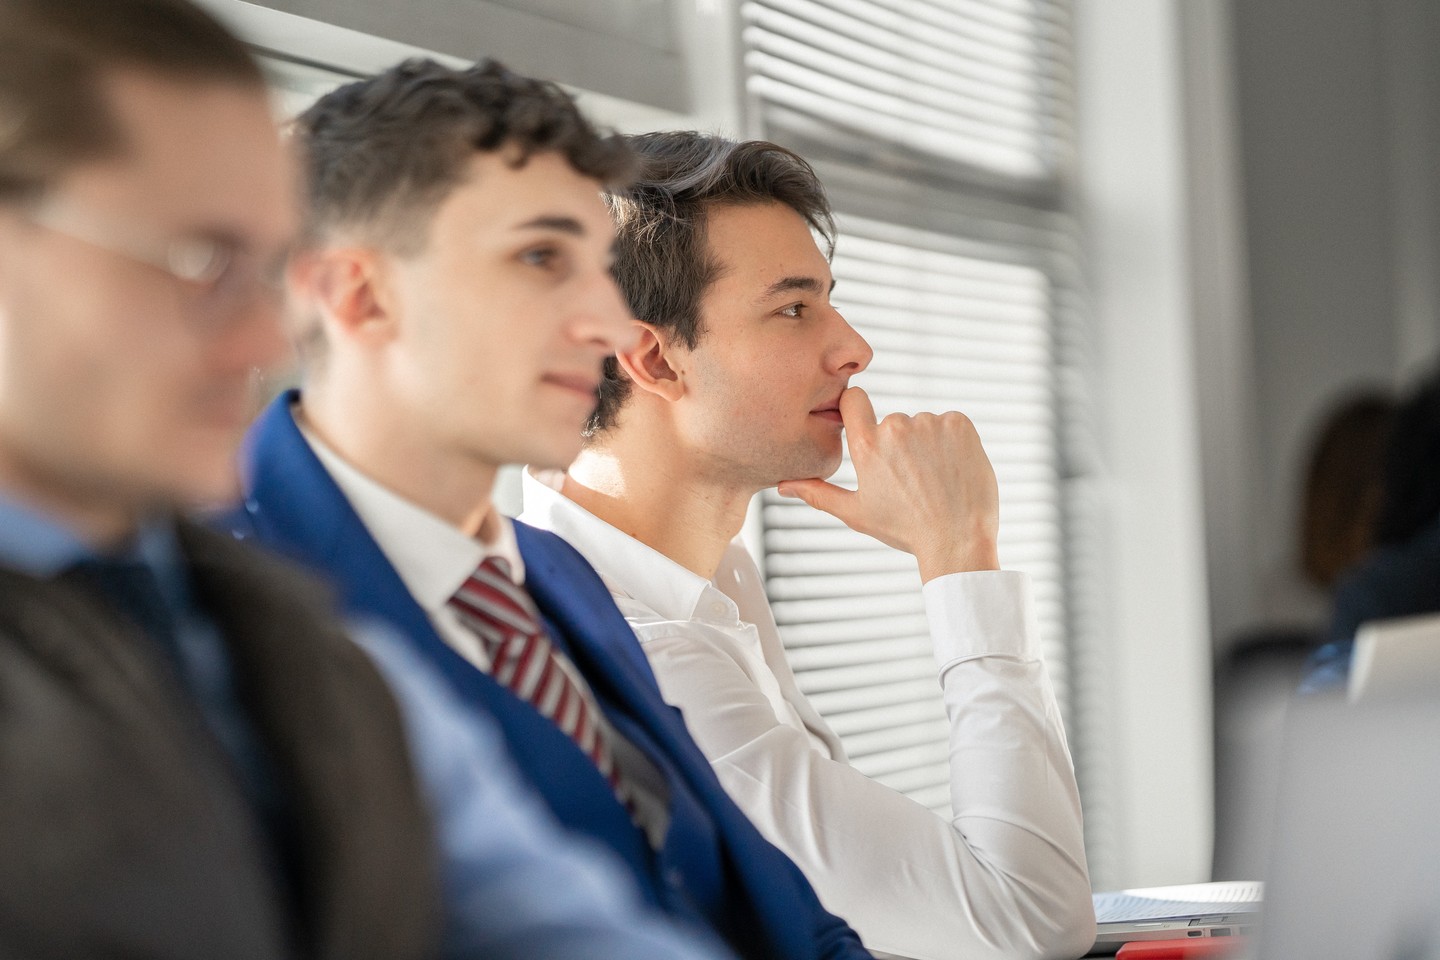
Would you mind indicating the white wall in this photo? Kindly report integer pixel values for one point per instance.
(1133, 187)
(623, 48)
(1220, 299)
(1338, 109)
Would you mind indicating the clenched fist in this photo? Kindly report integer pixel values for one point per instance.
(924, 484)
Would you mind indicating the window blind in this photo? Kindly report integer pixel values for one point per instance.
(977, 84)
(942, 130)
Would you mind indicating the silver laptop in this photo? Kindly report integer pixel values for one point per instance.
(1185, 912)
(1355, 865)
(1396, 658)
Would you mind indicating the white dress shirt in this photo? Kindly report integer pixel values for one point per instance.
(1004, 878)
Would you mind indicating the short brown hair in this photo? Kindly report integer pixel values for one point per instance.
(1344, 485)
(382, 154)
(661, 260)
(54, 55)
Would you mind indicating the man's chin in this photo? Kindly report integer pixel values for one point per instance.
(206, 490)
(819, 468)
(557, 454)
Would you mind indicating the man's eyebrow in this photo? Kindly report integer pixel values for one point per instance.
(561, 223)
(787, 284)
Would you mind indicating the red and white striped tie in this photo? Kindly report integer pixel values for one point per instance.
(524, 661)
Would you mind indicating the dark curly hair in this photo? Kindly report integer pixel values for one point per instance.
(661, 260)
(382, 154)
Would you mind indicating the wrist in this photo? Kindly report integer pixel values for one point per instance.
(960, 557)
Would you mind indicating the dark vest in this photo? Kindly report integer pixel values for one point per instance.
(123, 832)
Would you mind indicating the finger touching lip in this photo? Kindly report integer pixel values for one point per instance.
(829, 408)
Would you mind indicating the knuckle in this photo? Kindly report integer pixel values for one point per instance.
(958, 424)
(930, 425)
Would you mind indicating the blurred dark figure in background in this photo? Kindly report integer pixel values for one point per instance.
(1343, 488)
(1256, 676)
(1401, 577)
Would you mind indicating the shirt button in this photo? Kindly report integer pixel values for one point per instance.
(674, 879)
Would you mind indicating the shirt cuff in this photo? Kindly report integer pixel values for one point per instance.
(980, 614)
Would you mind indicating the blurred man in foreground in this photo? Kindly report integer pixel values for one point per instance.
(738, 381)
(195, 761)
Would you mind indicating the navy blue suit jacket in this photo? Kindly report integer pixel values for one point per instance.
(714, 867)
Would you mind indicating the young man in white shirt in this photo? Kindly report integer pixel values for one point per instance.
(738, 382)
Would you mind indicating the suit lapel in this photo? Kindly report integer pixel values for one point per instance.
(115, 664)
(583, 614)
(585, 622)
(332, 732)
(294, 504)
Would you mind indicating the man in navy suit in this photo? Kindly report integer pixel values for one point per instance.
(455, 305)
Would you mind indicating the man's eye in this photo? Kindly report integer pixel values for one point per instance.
(794, 310)
(540, 256)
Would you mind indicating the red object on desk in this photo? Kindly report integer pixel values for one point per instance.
(1179, 949)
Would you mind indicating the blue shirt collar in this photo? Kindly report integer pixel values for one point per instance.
(39, 544)
(35, 542)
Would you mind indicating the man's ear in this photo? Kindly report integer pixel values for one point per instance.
(349, 287)
(649, 366)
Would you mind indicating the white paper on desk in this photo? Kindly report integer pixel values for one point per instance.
(1185, 900)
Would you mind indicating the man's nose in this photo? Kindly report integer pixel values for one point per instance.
(852, 353)
(607, 320)
(253, 334)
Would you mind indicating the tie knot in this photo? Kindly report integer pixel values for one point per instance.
(132, 589)
(499, 565)
(490, 596)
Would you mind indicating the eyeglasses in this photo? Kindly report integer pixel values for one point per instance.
(221, 276)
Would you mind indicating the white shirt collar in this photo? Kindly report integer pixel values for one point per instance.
(629, 567)
(432, 557)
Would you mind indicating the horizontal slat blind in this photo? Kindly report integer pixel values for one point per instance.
(942, 130)
(978, 83)
(950, 332)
